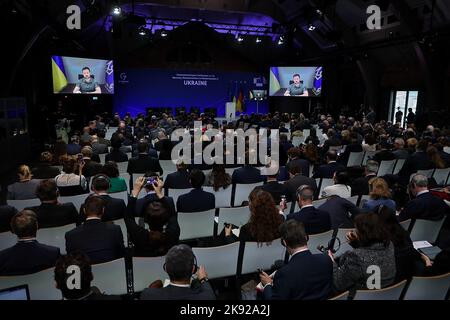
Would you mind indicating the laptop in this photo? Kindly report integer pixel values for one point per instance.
(15, 293)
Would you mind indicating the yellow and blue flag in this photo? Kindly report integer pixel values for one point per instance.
(274, 81)
(59, 74)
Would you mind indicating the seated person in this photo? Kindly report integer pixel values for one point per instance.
(118, 184)
(68, 182)
(25, 188)
(143, 162)
(178, 179)
(45, 169)
(85, 291)
(276, 189)
(116, 154)
(306, 276)
(51, 213)
(218, 178)
(101, 241)
(341, 186)
(28, 255)
(150, 195)
(87, 84)
(159, 215)
(196, 200)
(180, 266)
(91, 167)
(114, 208)
(296, 88)
(379, 195)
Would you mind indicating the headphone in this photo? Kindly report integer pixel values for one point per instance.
(100, 176)
(188, 249)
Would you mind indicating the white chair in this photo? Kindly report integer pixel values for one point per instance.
(223, 196)
(55, 236)
(318, 203)
(129, 155)
(368, 155)
(319, 239)
(102, 157)
(390, 293)
(237, 216)
(296, 140)
(146, 270)
(261, 255)
(218, 261)
(168, 166)
(325, 182)
(122, 166)
(426, 230)
(344, 244)
(428, 288)
(447, 150)
(427, 173)
(355, 159)
(120, 195)
(40, 284)
(7, 240)
(386, 167)
(441, 176)
(230, 171)
(175, 193)
(77, 200)
(306, 133)
(110, 277)
(242, 191)
(195, 225)
(399, 165)
(22, 204)
(405, 224)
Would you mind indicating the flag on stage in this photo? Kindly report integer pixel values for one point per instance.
(274, 81)
(317, 86)
(59, 74)
(250, 95)
(109, 77)
(240, 101)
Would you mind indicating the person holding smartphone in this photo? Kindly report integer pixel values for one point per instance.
(72, 181)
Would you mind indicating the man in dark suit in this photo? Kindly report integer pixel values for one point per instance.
(116, 154)
(246, 175)
(180, 266)
(44, 170)
(399, 149)
(385, 153)
(143, 162)
(114, 208)
(178, 179)
(164, 146)
(28, 255)
(294, 155)
(6, 214)
(419, 160)
(328, 170)
(91, 167)
(51, 213)
(306, 276)
(97, 147)
(100, 241)
(276, 189)
(425, 205)
(74, 147)
(360, 186)
(332, 141)
(101, 134)
(342, 212)
(315, 220)
(85, 291)
(197, 200)
(297, 179)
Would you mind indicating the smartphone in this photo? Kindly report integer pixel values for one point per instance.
(259, 270)
(80, 159)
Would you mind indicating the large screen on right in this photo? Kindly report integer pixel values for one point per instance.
(295, 81)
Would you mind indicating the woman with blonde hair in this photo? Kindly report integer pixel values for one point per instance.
(25, 188)
(379, 194)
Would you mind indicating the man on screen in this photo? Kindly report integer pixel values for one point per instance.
(296, 88)
(87, 84)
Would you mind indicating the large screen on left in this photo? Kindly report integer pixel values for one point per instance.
(82, 75)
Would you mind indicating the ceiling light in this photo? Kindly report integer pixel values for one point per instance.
(117, 10)
(311, 27)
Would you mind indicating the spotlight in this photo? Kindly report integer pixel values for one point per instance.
(281, 40)
(258, 40)
(311, 27)
(117, 10)
(239, 38)
(164, 33)
(142, 31)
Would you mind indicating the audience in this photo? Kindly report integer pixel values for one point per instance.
(90, 168)
(25, 188)
(360, 186)
(341, 186)
(307, 276)
(180, 265)
(328, 170)
(342, 212)
(297, 179)
(100, 241)
(277, 190)
(51, 213)
(178, 179)
(294, 155)
(143, 162)
(44, 169)
(196, 200)
(379, 195)
(68, 182)
(28, 255)
(116, 154)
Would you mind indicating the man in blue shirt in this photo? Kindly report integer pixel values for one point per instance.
(87, 84)
(297, 88)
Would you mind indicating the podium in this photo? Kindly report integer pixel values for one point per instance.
(230, 113)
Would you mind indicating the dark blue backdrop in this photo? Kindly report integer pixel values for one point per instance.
(138, 89)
